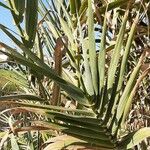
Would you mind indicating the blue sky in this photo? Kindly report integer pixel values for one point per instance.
(5, 19)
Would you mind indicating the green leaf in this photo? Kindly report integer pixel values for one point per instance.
(129, 101)
(5, 6)
(81, 112)
(72, 6)
(92, 47)
(124, 60)
(69, 33)
(101, 65)
(87, 77)
(72, 90)
(63, 7)
(14, 143)
(108, 100)
(80, 133)
(134, 138)
(116, 55)
(53, 29)
(31, 18)
(126, 93)
(112, 5)
(114, 101)
(2, 134)
(75, 6)
(75, 130)
(83, 7)
(61, 142)
(16, 97)
(17, 11)
(15, 77)
(50, 113)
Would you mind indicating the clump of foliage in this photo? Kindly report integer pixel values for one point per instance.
(85, 47)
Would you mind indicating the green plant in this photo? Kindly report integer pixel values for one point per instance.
(100, 87)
